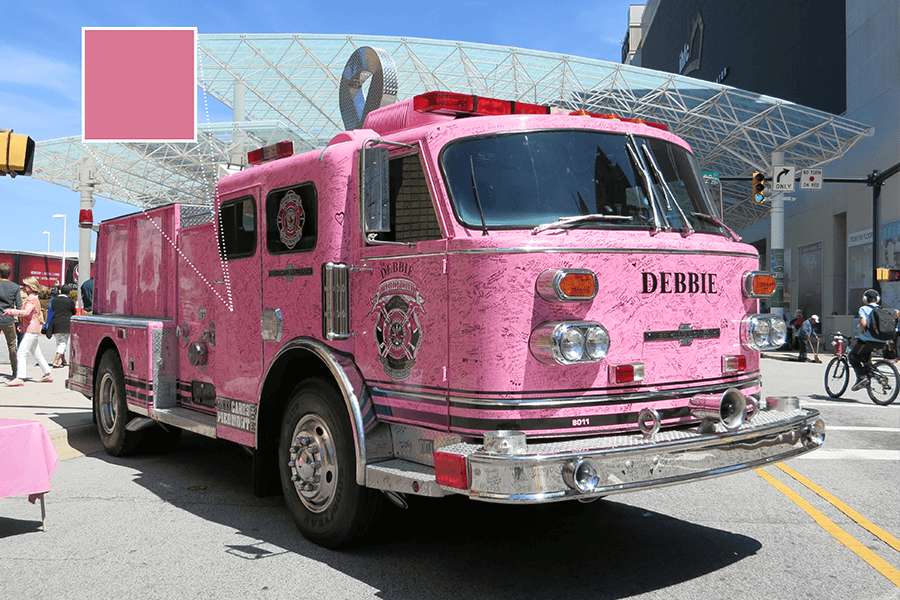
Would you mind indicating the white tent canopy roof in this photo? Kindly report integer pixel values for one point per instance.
(291, 84)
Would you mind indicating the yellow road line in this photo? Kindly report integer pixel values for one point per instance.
(880, 565)
(875, 530)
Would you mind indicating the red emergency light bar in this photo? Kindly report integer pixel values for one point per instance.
(451, 103)
(279, 150)
(584, 113)
(455, 104)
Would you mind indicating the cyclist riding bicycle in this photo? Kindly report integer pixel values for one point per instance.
(866, 343)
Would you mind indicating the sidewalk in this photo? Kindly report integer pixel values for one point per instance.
(66, 415)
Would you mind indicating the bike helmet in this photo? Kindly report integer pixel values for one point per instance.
(871, 296)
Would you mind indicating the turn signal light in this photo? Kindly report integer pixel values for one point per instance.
(734, 364)
(566, 285)
(758, 284)
(578, 285)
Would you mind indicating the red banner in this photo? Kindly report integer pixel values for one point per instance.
(45, 268)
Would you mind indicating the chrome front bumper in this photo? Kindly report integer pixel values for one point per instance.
(594, 467)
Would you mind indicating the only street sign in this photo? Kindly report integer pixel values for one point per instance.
(783, 179)
(811, 179)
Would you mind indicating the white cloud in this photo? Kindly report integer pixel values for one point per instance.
(34, 70)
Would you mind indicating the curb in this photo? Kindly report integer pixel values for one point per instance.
(84, 438)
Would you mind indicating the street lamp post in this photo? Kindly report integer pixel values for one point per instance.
(47, 233)
(62, 276)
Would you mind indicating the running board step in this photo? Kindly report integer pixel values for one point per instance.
(405, 477)
(189, 420)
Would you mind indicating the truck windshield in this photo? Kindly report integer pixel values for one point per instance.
(526, 180)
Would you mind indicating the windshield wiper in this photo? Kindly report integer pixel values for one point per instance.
(574, 220)
(484, 230)
(667, 191)
(717, 221)
(641, 168)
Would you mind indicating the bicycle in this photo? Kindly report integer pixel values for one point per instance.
(884, 381)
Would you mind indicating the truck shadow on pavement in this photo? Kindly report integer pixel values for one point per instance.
(842, 399)
(604, 549)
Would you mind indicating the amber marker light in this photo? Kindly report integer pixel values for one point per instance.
(567, 285)
(578, 285)
(758, 284)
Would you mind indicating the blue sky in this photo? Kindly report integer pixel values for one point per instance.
(40, 81)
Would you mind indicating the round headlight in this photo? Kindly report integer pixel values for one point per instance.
(760, 333)
(596, 342)
(777, 333)
(571, 344)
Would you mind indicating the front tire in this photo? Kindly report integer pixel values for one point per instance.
(884, 383)
(317, 464)
(837, 377)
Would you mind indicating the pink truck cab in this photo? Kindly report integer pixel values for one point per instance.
(466, 296)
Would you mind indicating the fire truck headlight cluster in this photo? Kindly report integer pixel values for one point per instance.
(763, 332)
(569, 342)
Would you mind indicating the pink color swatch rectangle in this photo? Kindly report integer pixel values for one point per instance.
(139, 84)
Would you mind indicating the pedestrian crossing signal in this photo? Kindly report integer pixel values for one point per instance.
(759, 187)
(887, 274)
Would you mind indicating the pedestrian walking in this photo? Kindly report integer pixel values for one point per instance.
(9, 298)
(87, 296)
(807, 332)
(32, 318)
(62, 309)
(796, 324)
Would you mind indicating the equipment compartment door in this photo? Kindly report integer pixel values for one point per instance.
(234, 343)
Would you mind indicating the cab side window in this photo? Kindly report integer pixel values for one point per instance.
(413, 218)
(237, 228)
(292, 219)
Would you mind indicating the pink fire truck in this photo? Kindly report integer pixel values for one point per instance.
(465, 296)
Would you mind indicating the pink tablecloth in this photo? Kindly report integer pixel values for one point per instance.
(27, 458)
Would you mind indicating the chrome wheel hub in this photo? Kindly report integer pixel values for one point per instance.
(107, 403)
(313, 463)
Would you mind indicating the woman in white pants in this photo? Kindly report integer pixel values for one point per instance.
(32, 317)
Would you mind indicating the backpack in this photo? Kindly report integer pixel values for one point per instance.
(880, 324)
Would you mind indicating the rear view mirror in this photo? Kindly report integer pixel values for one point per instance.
(376, 190)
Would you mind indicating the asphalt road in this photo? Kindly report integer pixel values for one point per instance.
(186, 525)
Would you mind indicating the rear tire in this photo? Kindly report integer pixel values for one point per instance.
(837, 376)
(884, 382)
(317, 464)
(111, 407)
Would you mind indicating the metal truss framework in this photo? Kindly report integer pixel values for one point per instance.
(291, 84)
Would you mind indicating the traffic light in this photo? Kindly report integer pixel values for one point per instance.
(759, 187)
(887, 275)
(16, 153)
